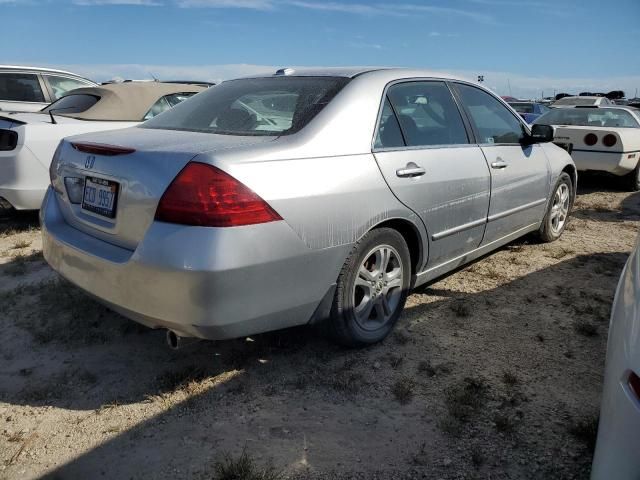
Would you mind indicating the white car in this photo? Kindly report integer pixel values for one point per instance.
(29, 89)
(582, 102)
(599, 138)
(28, 140)
(617, 454)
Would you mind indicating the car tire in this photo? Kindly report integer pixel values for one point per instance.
(633, 179)
(557, 215)
(372, 289)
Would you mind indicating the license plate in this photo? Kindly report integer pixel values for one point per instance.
(100, 196)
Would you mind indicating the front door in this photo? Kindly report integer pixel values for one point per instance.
(519, 174)
(424, 153)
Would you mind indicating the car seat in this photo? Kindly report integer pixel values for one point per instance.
(236, 119)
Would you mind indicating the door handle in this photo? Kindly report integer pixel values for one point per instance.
(499, 164)
(411, 170)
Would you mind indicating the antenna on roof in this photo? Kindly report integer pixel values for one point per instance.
(285, 71)
(154, 77)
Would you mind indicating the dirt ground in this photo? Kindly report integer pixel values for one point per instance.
(494, 372)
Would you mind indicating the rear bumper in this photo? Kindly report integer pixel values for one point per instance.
(615, 163)
(212, 283)
(23, 179)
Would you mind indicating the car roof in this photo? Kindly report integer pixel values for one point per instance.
(352, 72)
(126, 102)
(38, 69)
(601, 107)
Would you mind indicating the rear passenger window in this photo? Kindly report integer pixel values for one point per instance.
(493, 121)
(427, 114)
(20, 87)
(73, 103)
(389, 134)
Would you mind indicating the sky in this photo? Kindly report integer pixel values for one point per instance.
(522, 47)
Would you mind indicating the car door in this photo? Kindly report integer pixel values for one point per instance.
(424, 151)
(519, 173)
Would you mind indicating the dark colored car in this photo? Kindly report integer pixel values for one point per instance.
(529, 110)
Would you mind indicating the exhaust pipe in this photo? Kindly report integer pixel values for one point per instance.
(176, 342)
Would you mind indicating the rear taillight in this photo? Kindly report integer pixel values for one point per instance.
(204, 195)
(101, 149)
(53, 166)
(634, 384)
(590, 139)
(8, 140)
(609, 140)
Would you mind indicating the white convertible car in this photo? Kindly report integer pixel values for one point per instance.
(617, 454)
(28, 140)
(583, 101)
(599, 138)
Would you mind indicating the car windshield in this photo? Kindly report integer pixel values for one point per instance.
(589, 117)
(259, 106)
(522, 107)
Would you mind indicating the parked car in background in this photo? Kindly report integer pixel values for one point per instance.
(29, 89)
(28, 140)
(582, 101)
(305, 196)
(617, 455)
(599, 138)
(529, 110)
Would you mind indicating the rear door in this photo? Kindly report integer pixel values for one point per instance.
(519, 174)
(424, 152)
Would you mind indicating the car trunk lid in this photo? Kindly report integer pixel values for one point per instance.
(109, 184)
(574, 137)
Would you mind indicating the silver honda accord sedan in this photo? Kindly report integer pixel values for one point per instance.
(303, 197)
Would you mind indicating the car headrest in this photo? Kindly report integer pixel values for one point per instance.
(236, 119)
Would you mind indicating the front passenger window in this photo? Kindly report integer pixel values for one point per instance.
(493, 121)
(427, 114)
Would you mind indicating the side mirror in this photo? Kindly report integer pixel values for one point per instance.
(540, 134)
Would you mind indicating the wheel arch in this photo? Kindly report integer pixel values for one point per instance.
(412, 236)
(570, 169)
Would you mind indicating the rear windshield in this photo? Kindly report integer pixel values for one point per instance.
(588, 117)
(72, 104)
(257, 106)
(522, 107)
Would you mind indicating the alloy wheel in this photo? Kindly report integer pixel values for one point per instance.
(377, 290)
(560, 208)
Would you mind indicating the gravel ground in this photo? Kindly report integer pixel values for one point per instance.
(494, 372)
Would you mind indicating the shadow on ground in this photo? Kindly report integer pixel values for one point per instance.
(307, 404)
(17, 222)
(592, 182)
